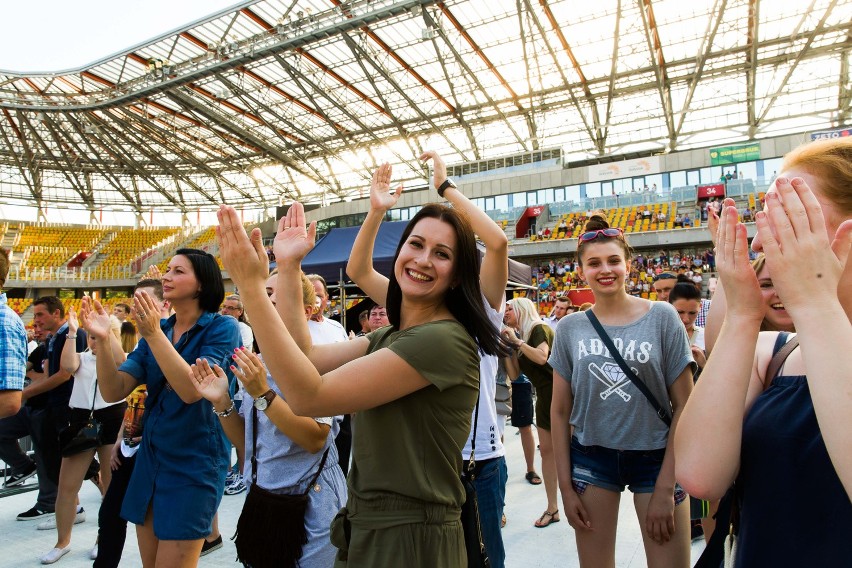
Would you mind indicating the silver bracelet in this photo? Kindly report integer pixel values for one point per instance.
(225, 413)
(71, 336)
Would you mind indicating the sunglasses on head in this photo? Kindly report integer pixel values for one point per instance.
(609, 233)
(665, 276)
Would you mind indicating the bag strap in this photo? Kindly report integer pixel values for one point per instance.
(643, 388)
(254, 454)
(780, 355)
(94, 395)
(471, 463)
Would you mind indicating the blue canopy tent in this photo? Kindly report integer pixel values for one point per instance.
(331, 253)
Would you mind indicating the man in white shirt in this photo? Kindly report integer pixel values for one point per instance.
(561, 308)
(323, 331)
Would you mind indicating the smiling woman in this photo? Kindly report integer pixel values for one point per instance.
(414, 383)
(618, 438)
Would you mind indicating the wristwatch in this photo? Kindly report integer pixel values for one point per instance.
(263, 401)
(443, 187)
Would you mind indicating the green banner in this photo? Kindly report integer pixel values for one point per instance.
(734, 154)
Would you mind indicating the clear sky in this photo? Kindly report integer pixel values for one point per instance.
(55, 35)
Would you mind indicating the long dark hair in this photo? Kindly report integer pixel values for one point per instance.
(465, 300)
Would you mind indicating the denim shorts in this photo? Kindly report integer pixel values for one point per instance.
(616, 469)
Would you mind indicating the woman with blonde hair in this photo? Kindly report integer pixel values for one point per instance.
(532, 340)
(758, 430)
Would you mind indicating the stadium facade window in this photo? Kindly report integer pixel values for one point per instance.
(593, 189)
(501, 202)
(519, 199)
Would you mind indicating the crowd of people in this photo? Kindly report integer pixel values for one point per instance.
(628, 393)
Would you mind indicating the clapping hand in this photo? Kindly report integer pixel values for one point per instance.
(146, 314)
(439, 168)
(95, 319)
(806, 265)
(211, 384)
(294, 239)
(735, 271)
(244, 258)
(381, 196)
(250, 371)
(73, 324)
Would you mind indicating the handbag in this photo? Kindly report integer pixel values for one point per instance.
(271, 529)
(477, 556)
(88, 437)
(662, 413)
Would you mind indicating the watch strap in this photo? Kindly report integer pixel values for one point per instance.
(268, 396)
(443, 187)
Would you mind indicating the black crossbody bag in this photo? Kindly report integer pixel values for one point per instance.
(271, 528)
(664, 415)
(477, 557)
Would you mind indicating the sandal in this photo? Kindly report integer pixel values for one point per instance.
(550, 517)
(533, 478)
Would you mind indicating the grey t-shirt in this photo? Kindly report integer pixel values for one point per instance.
(608, 409)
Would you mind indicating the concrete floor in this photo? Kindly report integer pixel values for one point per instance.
(528, 547)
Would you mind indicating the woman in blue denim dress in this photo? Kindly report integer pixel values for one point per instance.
(180, 468)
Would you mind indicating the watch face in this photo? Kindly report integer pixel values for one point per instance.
(261, 403)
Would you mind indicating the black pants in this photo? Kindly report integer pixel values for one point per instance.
(343, 441)
(112, 529)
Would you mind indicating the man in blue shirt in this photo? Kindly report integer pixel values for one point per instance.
(13, 359)
(48, 422)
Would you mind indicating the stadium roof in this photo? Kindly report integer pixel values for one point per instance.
(281, 99)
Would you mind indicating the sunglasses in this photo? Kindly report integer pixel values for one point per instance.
(665, 276)
(609, 233)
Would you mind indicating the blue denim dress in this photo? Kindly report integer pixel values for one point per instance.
(181, 463)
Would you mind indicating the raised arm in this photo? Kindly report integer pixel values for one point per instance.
(360, 266)
(709, 433)
(69, 360)
(114, 385)
(249, 369)
(719, 304)
(494, 271)
(172, 365)
(362, 383)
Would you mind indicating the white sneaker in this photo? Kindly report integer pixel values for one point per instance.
(93, 554)
(50, 523)
(55, 554)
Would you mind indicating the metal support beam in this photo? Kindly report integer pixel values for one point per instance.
(655, 47)
(704, 51)
(599, 136)
(844, 94)
(751, 60)
(472, 76)
(799, 56)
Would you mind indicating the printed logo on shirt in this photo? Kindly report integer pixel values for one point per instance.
(613, 378)
(634, 351)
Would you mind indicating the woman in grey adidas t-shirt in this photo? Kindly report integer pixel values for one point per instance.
(619, 439)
